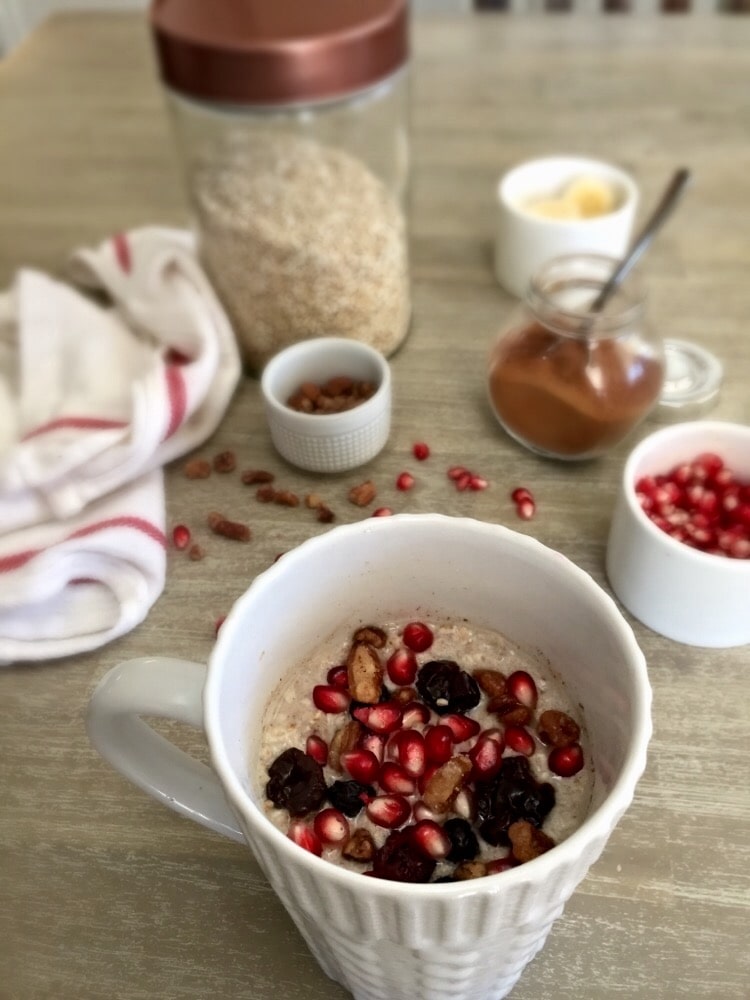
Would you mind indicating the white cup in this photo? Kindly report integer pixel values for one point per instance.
(524, 241)
(380, 939)
(684, 594)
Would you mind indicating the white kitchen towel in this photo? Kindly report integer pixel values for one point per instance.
(94, 398)
(71, 586)
(93, 395)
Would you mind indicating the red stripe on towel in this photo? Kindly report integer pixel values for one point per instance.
(79, 423)
(18, 559)
(122, 252)
(177, 395)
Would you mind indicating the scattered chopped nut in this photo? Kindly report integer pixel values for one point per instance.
(446, 783)
(492, 682)
(510, 711)
(313, 501)
(266, 494)
(363, 494)
(337, 394)
(214, 518)
(235, 530)
(469, 869)
(286, 498)
(557, 729)
(225, 461)
(365, 673)
(252, 476)
(197, 468)
(404, 695)
(325, 514)
(344, 739)
(527, 841)
(359, 847)
(196, 552)
(372, 634)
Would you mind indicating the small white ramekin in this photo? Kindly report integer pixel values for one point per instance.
(330, 442)
(524, 242)
(678, 591)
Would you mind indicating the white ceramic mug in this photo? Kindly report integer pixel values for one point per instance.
(380, 939)
(524, 242)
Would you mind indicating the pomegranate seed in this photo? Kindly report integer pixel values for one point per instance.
(375, 743)
(338, 677)
(456, 471)
(478, 483)
(422, 811)
(487, 757)
(525, 503)
(497, 735)
(463, 804)
(381, 512)
(396, 779)
(522, 687)
(421, 451)
(389, 811)
(415, 714)
(566, 761)
(463, 482)
(181, 536)
(402, 667)
(709, 462)
(431, 839)
(331, 827)
(304, 837)
(499, 865)
(740, 548)
(519, 739)
(330, 699)
(461, 726)
(362, 765)
(317, 748)
(417, 636)
(438, 743)
(411, 752)
(404, 481)
(382, 718)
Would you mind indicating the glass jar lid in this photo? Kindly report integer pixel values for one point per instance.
(270, 52)
(692, 380)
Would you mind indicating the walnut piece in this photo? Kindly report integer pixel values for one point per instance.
(197, 468)
(363, 494)
(445, 784)
(527, 842)
(365, 673)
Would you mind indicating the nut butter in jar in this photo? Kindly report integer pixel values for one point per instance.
(568, 383)
(292, 126)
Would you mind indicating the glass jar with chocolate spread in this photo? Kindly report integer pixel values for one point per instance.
(568, 383)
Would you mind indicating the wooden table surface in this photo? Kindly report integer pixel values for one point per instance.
(105, 894)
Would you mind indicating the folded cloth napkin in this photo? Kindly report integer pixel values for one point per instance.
(94, 399)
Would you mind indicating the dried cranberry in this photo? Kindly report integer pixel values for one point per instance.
(296, 782)
(350, 797)
(514, 794)
(445, 687)
(401, 861)
(464, 844)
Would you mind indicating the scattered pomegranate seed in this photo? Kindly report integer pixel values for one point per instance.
(420, 451)
(317, 748)
(338, 676)
(438, 743)
(362, 765)
(411, 753)
(431, 839)
(415, 714)
(382, 512)
(405, 481)
(389, 811)
(566, 761)
(303, 836)
(463, 482)
(382, 718)
(396, 779)
(375, 743)
(478, 483)
(522, 687)
(456, 471)
(463, 804)
(525, 503)
(422, 811)
(402, 667)
(181, 536)
(519, 739)
(417, 636)
(461, 726)
(331, 827)
(499, 865)
(424, 780)
(487, 757)
(330, 699)
(496, 734)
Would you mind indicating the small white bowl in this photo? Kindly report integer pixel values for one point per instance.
(327, 442)
(524, 241)
(684, 594)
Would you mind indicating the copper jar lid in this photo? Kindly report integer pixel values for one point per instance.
(278, 51)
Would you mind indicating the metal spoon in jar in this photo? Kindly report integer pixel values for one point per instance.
(654, 223)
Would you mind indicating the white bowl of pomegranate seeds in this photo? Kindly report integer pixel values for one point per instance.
(328, 403)
(678, 556)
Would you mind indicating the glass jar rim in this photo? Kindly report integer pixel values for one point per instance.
(579, 322)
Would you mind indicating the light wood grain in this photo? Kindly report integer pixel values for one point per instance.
(103, 893)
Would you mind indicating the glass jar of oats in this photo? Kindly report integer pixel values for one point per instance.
(292, 121)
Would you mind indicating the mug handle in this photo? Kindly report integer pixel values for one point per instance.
(159, 686)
